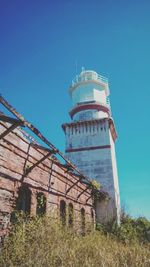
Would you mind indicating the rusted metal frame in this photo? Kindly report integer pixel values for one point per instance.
(68, 167)
(5, 118)
(11, 128)
(42, 154)
(83, 191)
(65, 177)
(88, 198)
(39, 134)
(38, 162)
(50, 176)
(66, 184)
(102, 194)
(59, 193)
(28, 136)
(74, 184)
(25, 162)
(36, 146)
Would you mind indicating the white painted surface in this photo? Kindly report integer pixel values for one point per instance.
(89, 92)
(99, 164)
(115, 177)
(88, 77)
(80, 136)
(100, 96)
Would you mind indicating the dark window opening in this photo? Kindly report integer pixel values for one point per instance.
(63, 212)
(41, 204)
(83, 221)
(23, 202)
(92, 214)
(86, 102)
(70, 215)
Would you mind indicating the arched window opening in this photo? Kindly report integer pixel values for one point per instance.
(23, 202)
(41, 204)
(83, 221)
(70, 215)
(92, 214)
(63, 212)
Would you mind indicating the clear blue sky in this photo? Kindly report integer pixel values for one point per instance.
(40, 43)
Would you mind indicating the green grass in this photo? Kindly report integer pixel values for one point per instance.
(42, 242)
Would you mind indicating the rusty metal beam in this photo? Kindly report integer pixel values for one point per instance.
(102, 194)
(28, 136)
(39, 134)
(88, 198)
(41, 147)
(68, 167)
(74, 184)
(39, 161)
(11, 128)
(83, 191)
(5, 118)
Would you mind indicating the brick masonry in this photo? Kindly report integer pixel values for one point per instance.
(50, 178)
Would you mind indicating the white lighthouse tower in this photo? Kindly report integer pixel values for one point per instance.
(90, 139)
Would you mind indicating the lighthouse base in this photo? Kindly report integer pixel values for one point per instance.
(90, 146)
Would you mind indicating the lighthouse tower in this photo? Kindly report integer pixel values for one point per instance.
(90, 139)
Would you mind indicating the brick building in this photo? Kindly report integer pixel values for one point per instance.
(31, 173)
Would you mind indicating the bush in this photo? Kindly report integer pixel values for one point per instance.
(129, 231)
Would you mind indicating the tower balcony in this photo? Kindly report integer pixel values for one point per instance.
(89, 76)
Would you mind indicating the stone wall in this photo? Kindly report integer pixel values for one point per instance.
(50, 178)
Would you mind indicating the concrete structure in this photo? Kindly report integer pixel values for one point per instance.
(90, 139)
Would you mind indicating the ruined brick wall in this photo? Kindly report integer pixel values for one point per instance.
(50, 177)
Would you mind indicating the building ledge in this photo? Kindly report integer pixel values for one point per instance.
(89, 106)
(94, 121)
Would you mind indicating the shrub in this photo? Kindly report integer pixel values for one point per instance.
(129, 231)
(42, 241)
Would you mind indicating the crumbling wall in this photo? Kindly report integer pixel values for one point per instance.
(50, 177)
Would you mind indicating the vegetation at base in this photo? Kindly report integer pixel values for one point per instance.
(43, 242)
(129, 231)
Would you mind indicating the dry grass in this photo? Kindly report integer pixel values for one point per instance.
(43, 243)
